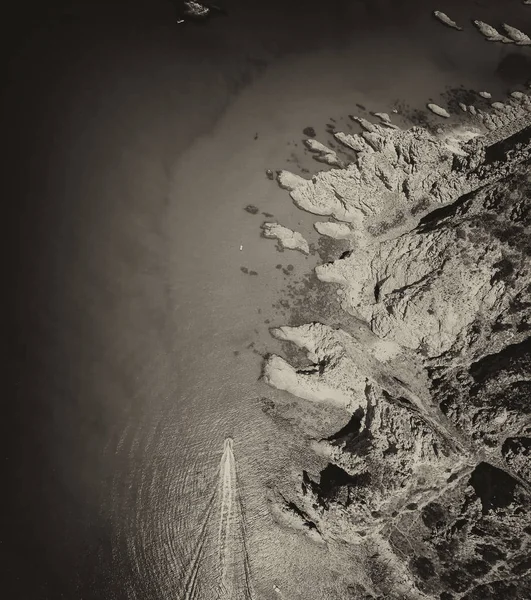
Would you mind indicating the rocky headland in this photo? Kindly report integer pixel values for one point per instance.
(428, 472)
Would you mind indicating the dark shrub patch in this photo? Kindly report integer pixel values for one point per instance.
(422, 567)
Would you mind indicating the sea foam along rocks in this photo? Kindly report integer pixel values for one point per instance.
(287, 238)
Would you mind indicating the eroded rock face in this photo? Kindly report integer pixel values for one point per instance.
(428, 287)
(429, 475)
(392, 168)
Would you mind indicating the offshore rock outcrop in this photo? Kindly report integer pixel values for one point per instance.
(438, 110)
(446, 20)
(429, 474)
(287, 238)
(519, 37)
(491, 34)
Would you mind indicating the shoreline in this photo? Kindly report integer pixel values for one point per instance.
(434, 265)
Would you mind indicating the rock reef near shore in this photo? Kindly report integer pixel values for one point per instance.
(287, 238)
(428, 477)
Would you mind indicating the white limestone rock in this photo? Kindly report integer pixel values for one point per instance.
(291, 240)
(397, 169)
(354, 142)
(367, 125)
(438, 110)
(337, 231)
(340, 366)
(323, 153)
(426, 296)
(499, 106)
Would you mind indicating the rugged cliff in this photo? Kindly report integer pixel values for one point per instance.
(429, 475)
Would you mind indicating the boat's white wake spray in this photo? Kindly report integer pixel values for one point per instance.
(233, 567)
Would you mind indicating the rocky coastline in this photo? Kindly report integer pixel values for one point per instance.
(428, 475)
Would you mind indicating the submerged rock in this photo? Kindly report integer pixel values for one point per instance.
(291, 240)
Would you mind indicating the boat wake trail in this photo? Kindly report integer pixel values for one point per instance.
(232, 565)
(193, 569)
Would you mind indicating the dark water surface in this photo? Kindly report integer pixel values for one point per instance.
(134, 335)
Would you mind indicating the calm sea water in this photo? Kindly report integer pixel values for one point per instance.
(138, 338)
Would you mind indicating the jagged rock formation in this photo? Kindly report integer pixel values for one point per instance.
(323, 153)
(288, 239)
(429, 474)
(390, 164)
(514, 35)
(195, 10)
(397, 171)
(445, 19)
(491, 34)
(518, 37)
